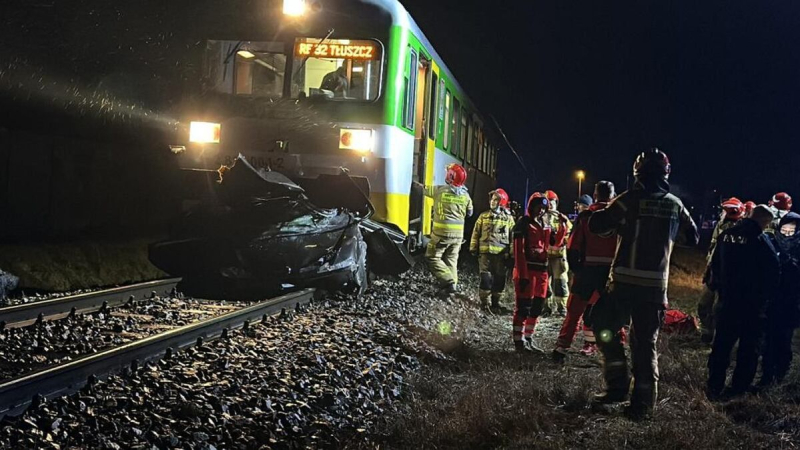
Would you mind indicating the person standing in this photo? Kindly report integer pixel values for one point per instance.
(557, 266)
(780, 204)
(590, 258)
(491, 242)
(533, 237)
(732, 211)
(745, 271)
(648, 221)
(452, 205)
(783, 313)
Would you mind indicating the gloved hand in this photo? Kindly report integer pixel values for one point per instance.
(523, 283)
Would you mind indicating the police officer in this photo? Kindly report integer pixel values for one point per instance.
(491, 241)
(451, 206)
(648, 221)
(745, 272)
(733, 210)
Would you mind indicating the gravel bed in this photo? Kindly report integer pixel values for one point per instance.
(54, 342)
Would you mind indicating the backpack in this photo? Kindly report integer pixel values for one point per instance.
(678, 322)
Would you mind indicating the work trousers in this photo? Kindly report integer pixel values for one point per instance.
(529, 302)
(558, 270)
(587, 284)
(777, 351)
(734, 325)
(442, 257)
(493, 274)
(705, 312)
(642, 308)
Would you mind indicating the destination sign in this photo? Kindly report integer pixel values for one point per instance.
(361, 50)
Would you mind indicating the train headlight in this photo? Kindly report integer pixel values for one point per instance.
(294, 8)
(355, 139)
(204, 132)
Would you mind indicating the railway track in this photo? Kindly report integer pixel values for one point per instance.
(17, 394)
(27, 313)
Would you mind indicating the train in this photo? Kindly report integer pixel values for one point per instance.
(313, 87)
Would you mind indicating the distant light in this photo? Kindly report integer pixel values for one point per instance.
(358, 69)
(581, 174)
(204, 132)
(245, 54)
(294, 8)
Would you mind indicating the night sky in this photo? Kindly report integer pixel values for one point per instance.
(587, 84)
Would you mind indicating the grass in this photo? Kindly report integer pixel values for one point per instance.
(486, 396)
(78, 265)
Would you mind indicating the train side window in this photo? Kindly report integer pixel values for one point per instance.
(470, 141)
(462, 150)
(411, 90)
(447, 121)
(432, 116)
(454, 127)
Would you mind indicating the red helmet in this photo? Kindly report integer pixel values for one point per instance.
(551, 195)
(734, 208)
(502, 195)
(781, 201)
(652, 162)
(748, 207)
(537, 199)
(456, 175)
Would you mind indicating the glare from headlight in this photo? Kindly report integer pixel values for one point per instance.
(294, 8)
(204, 132)
(359, 140)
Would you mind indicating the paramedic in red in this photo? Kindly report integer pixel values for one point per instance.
(648, 221)
(589, 257)
(533, 236)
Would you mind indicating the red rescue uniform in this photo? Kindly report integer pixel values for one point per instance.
(532, 239)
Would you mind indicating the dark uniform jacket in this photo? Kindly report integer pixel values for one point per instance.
(745, 269)
(648, 221)
(785, 309)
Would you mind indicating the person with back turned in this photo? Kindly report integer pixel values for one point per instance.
(648, 221)
(745, 271)
(451, 206)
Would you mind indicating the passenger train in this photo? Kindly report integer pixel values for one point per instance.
(313, 86)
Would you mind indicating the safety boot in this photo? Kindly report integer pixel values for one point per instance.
(559, 355)
(643, 403)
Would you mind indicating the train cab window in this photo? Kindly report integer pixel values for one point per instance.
(337, 69)
(432, 116)
(245, 68)
(409, 101)
(447, 121)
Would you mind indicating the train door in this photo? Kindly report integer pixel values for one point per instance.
(417, 221)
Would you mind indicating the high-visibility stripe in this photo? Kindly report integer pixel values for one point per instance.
(448, 226)
(600, 259)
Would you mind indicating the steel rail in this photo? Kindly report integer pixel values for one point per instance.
(24, 313)
(17, 394)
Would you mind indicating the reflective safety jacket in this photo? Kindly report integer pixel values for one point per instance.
(554, 220)
(451, 206)
(532, 239)
(722, 225)
(492, 232)
(648, 222)
(587, 249)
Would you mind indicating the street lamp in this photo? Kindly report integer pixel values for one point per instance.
(580, 175)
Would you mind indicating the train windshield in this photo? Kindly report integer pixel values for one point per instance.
(337, 69)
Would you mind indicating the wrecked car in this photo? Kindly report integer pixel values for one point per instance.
(261, 233)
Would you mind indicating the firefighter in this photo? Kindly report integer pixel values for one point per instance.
(783, 313)
(533, 237)
(648, 221)
(745, 271)
(491, 242)
(451, 206)
(733, 210)
(557, 266)
(589, 257)
(748, 208)
(780, 204)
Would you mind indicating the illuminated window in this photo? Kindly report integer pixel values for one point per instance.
(464, 130)
(411, 90)
(454, 146)
(447, 121)
(338, 69)
(259, 74)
